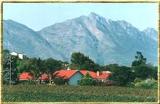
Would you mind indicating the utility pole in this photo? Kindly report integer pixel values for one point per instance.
(20, 56)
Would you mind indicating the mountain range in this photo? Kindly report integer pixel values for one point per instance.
(105, 41)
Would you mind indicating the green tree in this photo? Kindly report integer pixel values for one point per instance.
(53, 65)
(122, 75)
(139, 59)
(110, 67)
(80, 61)
(145, 71)
(141, 69)
(87, 80)
(155, 72)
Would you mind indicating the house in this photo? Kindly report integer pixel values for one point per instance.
(26, 76)
(73, 76)
(43, 77)
(101, 76)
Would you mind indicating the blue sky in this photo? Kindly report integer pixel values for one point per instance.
(40, 15)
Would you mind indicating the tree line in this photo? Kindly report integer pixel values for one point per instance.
(122, 75)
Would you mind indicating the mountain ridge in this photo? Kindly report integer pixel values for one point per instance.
(99, 38)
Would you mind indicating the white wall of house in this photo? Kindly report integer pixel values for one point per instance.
(74, 79)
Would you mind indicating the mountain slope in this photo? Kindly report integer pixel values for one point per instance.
(103, 40)
(19, 38)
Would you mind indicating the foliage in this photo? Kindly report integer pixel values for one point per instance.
(122, 75)
(139, 59)
(46, 93)
(104, 83)
(33, 65)
(110, 67)
(148, 83)
(59, 81)
(52, 64)
(27, 82)
(143, 70)
(87, 81)
(155, 73)
(80, 61)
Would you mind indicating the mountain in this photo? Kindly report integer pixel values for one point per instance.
(103, 40)
(151, 33)
(19, 38)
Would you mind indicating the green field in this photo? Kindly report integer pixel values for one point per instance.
(46, 93)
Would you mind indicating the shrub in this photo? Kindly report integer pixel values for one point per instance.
(27, 82)
(59, 81)
(87, 82)
(137, 80)
(104, 83)
(148, 83)
(122, 75)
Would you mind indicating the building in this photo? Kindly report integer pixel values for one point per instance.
(44, 77)
(101, 76)
(73, 76)
(26, 76)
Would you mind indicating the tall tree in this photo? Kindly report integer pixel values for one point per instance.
(141, 69)
(122, 75)
(80, 61)
(53, 65)
(139, 59)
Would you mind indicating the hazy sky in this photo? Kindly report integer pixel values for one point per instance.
(39, 15)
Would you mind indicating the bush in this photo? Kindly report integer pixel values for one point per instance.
(104, 83)
(122, 75)
(59, 81)
(148, 83)
(87, 82)
(27, 82)
(144, 71)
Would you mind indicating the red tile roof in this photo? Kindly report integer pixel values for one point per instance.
(26, 76)
(104, 76)
(91, 73)
(66, 74)
(44, 77)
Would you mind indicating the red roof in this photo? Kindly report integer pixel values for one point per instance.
(26, 76)
(44, 76)
(104, 76)
(91, 73)
(65, 74)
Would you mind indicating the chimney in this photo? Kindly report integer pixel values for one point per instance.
(68, 68)
(97, 73)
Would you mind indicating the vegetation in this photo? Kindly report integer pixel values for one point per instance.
(80, 61)
(121, 75)
(141, 77)
(33, 65)
(143, 70)
(59, 81)
(45, 93)
(87, 81)
(148, 83)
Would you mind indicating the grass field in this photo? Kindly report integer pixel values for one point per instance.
(46, 93)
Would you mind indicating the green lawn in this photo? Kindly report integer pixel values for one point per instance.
(46, 93)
